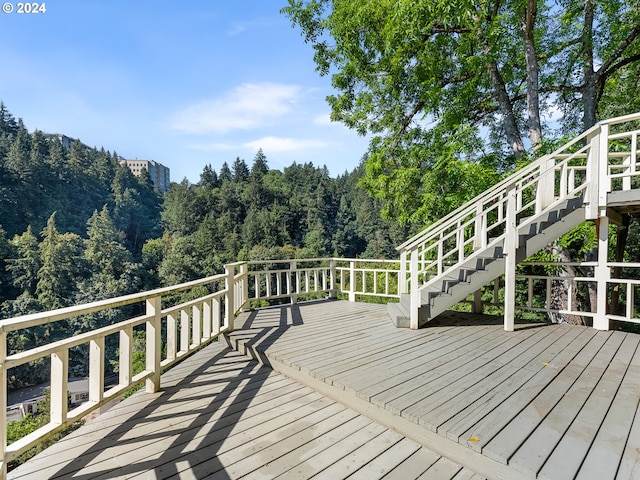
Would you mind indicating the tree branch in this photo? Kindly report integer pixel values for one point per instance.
(609, 67)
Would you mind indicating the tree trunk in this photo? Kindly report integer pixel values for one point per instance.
(560, 291)
(533, 86)
(506, 108)
(589, 91)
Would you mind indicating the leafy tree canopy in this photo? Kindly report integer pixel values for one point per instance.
(453, 90)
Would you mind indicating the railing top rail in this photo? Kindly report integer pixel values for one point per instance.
(321, 259)
(35, 319)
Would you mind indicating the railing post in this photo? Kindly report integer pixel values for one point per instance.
(96, 370)
(230, 308)
(58, 390)
(293, 266)
(597, 171)
(3, 404)
(510, 247)
(403, 286)
(154, 344)
(352, 280)
(414, 307)
(546, 184)
(333, 293)
(602, 273)
(244, 270)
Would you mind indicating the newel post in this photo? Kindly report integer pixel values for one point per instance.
(293, 267)
(402, 281)
(352, 280)
(510, 249)
(333, 293)
(414, 307)
(597, 171)
(230, 308)
(154, 343)
(244, 270)
(602, 273)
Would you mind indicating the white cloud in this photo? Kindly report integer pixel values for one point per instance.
(247, 106)
(279, 144)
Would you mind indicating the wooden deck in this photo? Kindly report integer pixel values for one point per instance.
(463, 399)
(221, 415)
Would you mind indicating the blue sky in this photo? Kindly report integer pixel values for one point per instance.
(183, 83)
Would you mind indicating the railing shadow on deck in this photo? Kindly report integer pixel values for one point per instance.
(165, 466)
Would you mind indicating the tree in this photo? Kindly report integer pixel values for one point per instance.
(24, 268)
(62, 266)
(428, 79)
(240, 170)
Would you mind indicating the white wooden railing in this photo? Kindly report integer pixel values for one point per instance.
(590, 167)
(187, 326)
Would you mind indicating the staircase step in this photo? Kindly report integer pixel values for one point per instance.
(399, 314)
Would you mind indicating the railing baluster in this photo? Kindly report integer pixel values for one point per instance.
(196, 328)
(125, 357)
(206, 319)
(184, 331)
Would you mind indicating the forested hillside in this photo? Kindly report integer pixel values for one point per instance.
(77, 227)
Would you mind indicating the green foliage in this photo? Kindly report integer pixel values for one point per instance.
(18, 429)
(447, 91)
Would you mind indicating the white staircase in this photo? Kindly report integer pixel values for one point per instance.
(485, 238)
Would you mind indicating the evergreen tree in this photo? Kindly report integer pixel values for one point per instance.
(225, 173)
(240, 170)
(24, 268)
(209, 178)
(60, 255)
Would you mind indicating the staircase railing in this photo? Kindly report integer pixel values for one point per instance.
(585, 167)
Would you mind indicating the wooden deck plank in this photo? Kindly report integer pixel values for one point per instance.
(443, 469)
(366, 453)
(380, 466)
(408, 387)
(415, 465)
(405, 360)
(443, 388)
(330, 454)
(570, 452)
(563, 370)
(605, 454)
(305, 450)
(259, 449)
(507, 378)
(630, 463)
(534, 451)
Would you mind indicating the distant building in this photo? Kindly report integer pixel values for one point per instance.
(66, 141)
(158, 172)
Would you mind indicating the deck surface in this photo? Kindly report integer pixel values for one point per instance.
(221, 415)
(459, 400)
(545, 401)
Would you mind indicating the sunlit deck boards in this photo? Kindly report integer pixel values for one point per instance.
(552, 401)
(222, 415)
